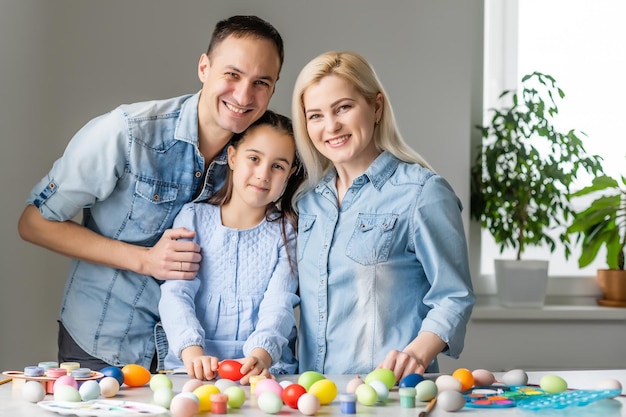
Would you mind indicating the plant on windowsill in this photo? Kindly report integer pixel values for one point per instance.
(603, 224)
(520, 181)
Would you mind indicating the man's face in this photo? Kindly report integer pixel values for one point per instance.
(238, 81)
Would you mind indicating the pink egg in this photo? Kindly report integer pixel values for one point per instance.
(184, 406)
(353, 384)
(109, 387)
(65, 380)
(191, 385)
(268, 384)
(308, 404)
(483, 377)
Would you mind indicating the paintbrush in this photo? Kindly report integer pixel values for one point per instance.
(428, 408)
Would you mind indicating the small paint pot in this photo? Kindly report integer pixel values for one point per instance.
(407, 397)
(81, 373)
(347, 403)
(33, 371)
(56, 372)
(69, 366)
(253, 381)
(48, 365)
(218, 403)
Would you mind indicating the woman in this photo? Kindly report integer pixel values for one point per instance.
(382, 257)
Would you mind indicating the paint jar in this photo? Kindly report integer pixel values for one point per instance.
(347, 403)
(69, 366)
(218, 403)
(34, 371)
(407, 397)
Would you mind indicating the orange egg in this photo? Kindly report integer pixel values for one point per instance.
(136, 375)
(465, 377)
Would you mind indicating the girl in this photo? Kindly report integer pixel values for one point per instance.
(240, 304)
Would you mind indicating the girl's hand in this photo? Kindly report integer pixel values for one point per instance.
(198, 365)
(402, 364)
(258, 363)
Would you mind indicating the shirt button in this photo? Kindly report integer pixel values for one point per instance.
(198, 174)
(156, 197)
(322, 316)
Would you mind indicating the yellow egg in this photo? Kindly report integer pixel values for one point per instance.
(204, 395)
(325, 390)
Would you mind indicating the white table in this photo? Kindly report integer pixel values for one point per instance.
(12, 404)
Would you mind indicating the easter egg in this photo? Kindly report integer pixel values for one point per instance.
(115, 372)
(411, 380)
(203, 393)
(465, 377)
(385, 375)
(66, 393)
(135, 375)
(236, 396)
(65, 380)
(612, 384)
(268, 384)
(89, 390)
(230, 369)
(269, 402)
(33, 391)
(426, 390)
(292, 393)
(163, 396)
(191, 385)
(366, 394)
(325, 390)
(381, 389)
(552, 384)
(307, 378)
(483, 377)
(515, 377)
(222, 384)
(183, 405)
(109, 387)
(159, 381)
(447, 383)
(308, 404)
(451, 400)
(353, 383)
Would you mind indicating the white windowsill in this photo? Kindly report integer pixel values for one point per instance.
(556, 307)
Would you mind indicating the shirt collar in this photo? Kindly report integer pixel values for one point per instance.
(187, 124)
(377, 173)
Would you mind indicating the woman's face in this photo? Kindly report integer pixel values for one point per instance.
(340, 122)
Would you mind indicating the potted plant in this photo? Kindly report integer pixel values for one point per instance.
(603, 224)
(520, 181)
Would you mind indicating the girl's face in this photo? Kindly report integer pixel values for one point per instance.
(340, 122)
(261, 164)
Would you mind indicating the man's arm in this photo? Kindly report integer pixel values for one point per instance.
(168, 259)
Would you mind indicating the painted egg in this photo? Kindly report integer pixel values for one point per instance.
(285, 383)
(33, 391)
(325, 390)
(411, 380)
(89, 390)
(292, 393)
(307, 378)
(381, 389)
(191, 385)
(450, 400)
(552, 384)
(426, 390)
(366, 394)
(515, 377)
(65, 380)
(610, 384)
(236, 396)
(268, 384)
(353, 384)
(115, 372)
(465, 377)
(163, 396)
(269, 402)
(204, 395)
(109, 387)
(308, 404)
(230, 369)
(135, 375)
(447, 383)
(159, 381)
(67, 393)
(183, 405)
(483, 377)
(385, 375)
(222, 384)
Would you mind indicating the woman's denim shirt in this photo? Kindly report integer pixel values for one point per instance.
(390, 262)
(129, 171)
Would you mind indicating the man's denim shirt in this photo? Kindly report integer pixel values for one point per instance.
(388, 263)
(129, 171)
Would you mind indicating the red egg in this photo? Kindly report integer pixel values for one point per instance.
(230, 369)
(291, 394)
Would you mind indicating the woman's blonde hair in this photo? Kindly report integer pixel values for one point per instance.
(353, 68)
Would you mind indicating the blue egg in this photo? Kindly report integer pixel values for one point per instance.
(115, 372)
(410, 381)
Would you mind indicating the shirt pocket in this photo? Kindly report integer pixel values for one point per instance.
(153, 204)
(305, 226)
(371, 240)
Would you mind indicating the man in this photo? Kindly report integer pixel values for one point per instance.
(129, 172)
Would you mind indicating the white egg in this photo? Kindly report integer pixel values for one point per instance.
(33, 391)
(515, 377)
(109, 387)
(609, 384)
(89, 390)
(447, 383)
(450, 400)
(224, 383)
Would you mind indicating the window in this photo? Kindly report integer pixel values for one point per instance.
(582, 45)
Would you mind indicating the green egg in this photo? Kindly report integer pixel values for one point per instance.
(552, 384)
(366, 394)
(385, 375)
(426, 390)
(308, 378)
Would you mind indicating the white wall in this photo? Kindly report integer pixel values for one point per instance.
(63, 62)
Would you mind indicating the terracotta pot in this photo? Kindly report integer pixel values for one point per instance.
(613, 284)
